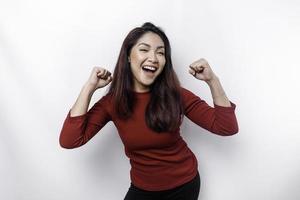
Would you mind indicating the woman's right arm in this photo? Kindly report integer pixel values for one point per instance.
(80, 124)
(99, 78)
(83, 100)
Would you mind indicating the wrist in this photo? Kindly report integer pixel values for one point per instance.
(88, 88)
(213, 80)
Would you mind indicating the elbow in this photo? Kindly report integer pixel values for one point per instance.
(230, 131)
(67, 141)
(65, 146)
(64, 143)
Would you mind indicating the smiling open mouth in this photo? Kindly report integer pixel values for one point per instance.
(149, 68)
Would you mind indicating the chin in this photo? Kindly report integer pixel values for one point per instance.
(147, 84)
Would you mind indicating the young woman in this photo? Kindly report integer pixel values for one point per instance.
(147, 104)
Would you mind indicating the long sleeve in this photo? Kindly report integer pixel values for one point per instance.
(78, 130)
(218, 119)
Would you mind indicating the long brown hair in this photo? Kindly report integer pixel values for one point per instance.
(164, 110)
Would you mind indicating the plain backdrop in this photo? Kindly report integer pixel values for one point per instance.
(47, 52)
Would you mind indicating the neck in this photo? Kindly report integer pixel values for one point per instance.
(142, 89)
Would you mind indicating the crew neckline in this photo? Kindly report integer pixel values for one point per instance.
(142, 93)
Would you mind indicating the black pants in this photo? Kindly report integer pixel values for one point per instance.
(187, 191)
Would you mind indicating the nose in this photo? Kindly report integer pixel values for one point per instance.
(152, 57)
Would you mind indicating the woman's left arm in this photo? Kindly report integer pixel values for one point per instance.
(202, 71)
(221, 119)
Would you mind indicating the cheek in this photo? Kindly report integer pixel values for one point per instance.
(161, 68)
(136, 57)
(134, 63)
(134, 69)
(162, 62)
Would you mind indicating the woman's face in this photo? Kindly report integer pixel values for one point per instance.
(147, 60)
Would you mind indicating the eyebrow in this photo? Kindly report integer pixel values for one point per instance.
(150, 46)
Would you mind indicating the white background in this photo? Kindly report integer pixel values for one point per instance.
(47, 51)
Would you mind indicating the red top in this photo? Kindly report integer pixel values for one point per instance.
(158, 161)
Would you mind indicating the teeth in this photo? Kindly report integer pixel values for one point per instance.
(150, 68)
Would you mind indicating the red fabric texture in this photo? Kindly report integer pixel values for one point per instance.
(158, 161)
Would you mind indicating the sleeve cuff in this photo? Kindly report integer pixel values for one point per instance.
(78, 118)
(226, 109)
